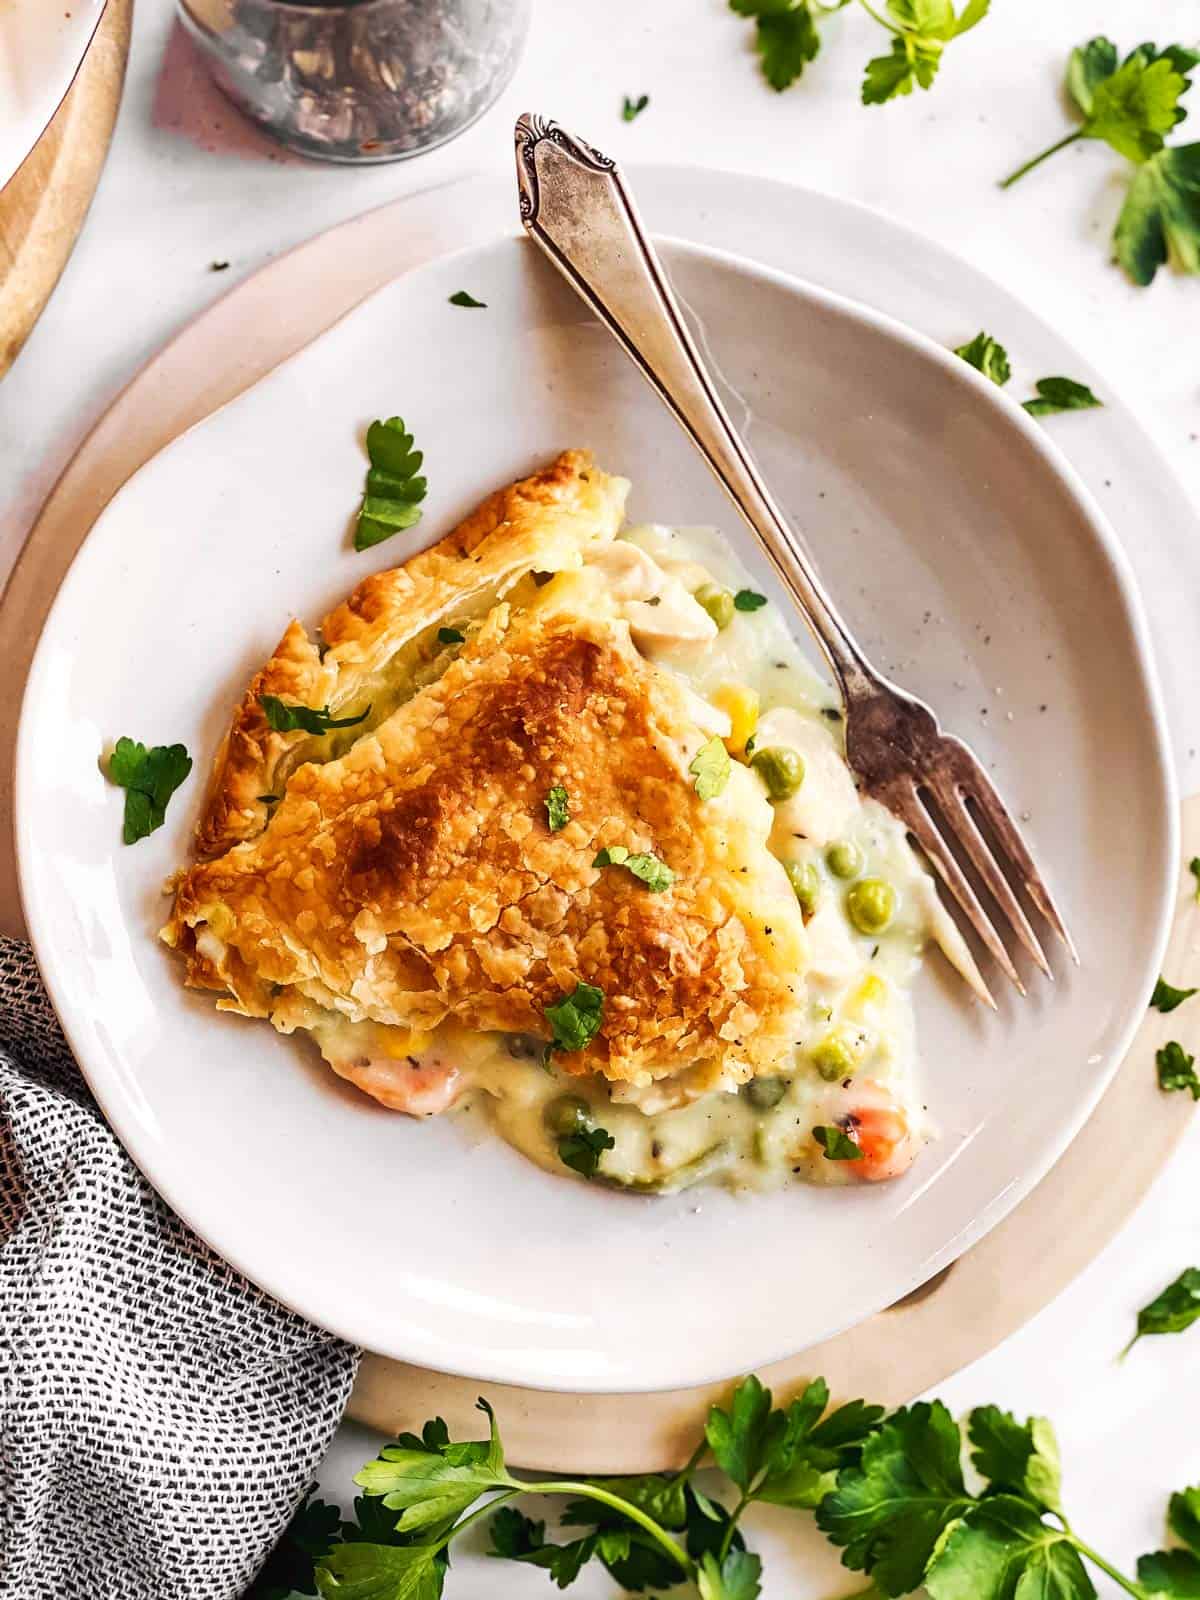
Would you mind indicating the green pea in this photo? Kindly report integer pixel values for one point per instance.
(871, 904)
(833, 1058)
(781, 769)
(806, 881)
(569, 1113)
(844, 859)
(764, 1094)
(717, 602)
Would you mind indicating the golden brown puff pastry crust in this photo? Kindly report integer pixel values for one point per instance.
(546, 522)
(416, 878)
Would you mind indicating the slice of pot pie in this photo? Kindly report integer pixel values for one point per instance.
(557, 812)
(525, 828)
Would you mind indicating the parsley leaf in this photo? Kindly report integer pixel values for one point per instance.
(737, 1437)
(655, 874)
(451, 636)
(461, 298)
(1170, 1572)
(1166, 997)
(1060, 394)
(890, 1512)
(986, 355)
(576, 1018)
(1194, 869)
(787, 1457)
(558, 808)
(1004, 1548)
(393, 489)
(286, 718)
(747, 600)
(1176, 1069)
(921, 30)
(785, 37)
(631, 109)
(381, 1572)
(433, 1485)
(736, 1578)
(1017, 1458)
(1134, 107)
(1161, 215)
(149, 778)
(582, 1151)
(711, 768)
(312, 1533)
(519, 1538)
(1172, 1311)
(837, 1144)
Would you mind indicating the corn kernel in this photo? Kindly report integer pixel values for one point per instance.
(741, 705)
(871, 992)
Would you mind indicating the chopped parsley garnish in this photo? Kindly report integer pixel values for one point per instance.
(582, 1151)
(1132, 105)
(1194, 869)
(393, 488)
(1060, 394)
(149, 778)
(631, 109)
(655, 874)
(1166, 997)
(558, 808)
(286, 718)
(576, 1018)
(1172, 1311)
(986, 355)
(461, 298)
(451, 636)
(711, 768)
(1176, 1069)
(747, 600)
(837, 1144)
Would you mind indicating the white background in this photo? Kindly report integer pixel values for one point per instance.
(188, 183)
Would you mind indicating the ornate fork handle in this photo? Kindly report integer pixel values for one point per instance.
(575, 204)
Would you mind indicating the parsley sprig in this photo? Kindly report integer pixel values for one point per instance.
(149, 777)
(891, 1492)
(787, 37)
(1132, 105)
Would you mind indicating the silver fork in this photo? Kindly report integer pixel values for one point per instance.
(576, 206)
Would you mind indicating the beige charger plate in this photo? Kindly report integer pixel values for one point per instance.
(990, 1292)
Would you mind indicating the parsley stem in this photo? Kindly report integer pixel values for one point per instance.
(882, 21)
(1118, 1578)
(484, 1510)
(592, 1491)
(730, 1526)
(1006, 183)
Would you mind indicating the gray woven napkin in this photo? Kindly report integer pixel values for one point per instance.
(160, 1417)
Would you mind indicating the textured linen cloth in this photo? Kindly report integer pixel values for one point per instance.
(160, 1417)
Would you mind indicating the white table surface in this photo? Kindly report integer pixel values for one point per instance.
(188, 183)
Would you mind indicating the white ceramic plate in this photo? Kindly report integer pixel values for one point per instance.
(970, 560)
(41, 46)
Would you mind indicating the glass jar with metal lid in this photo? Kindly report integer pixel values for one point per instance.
(360, 80)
